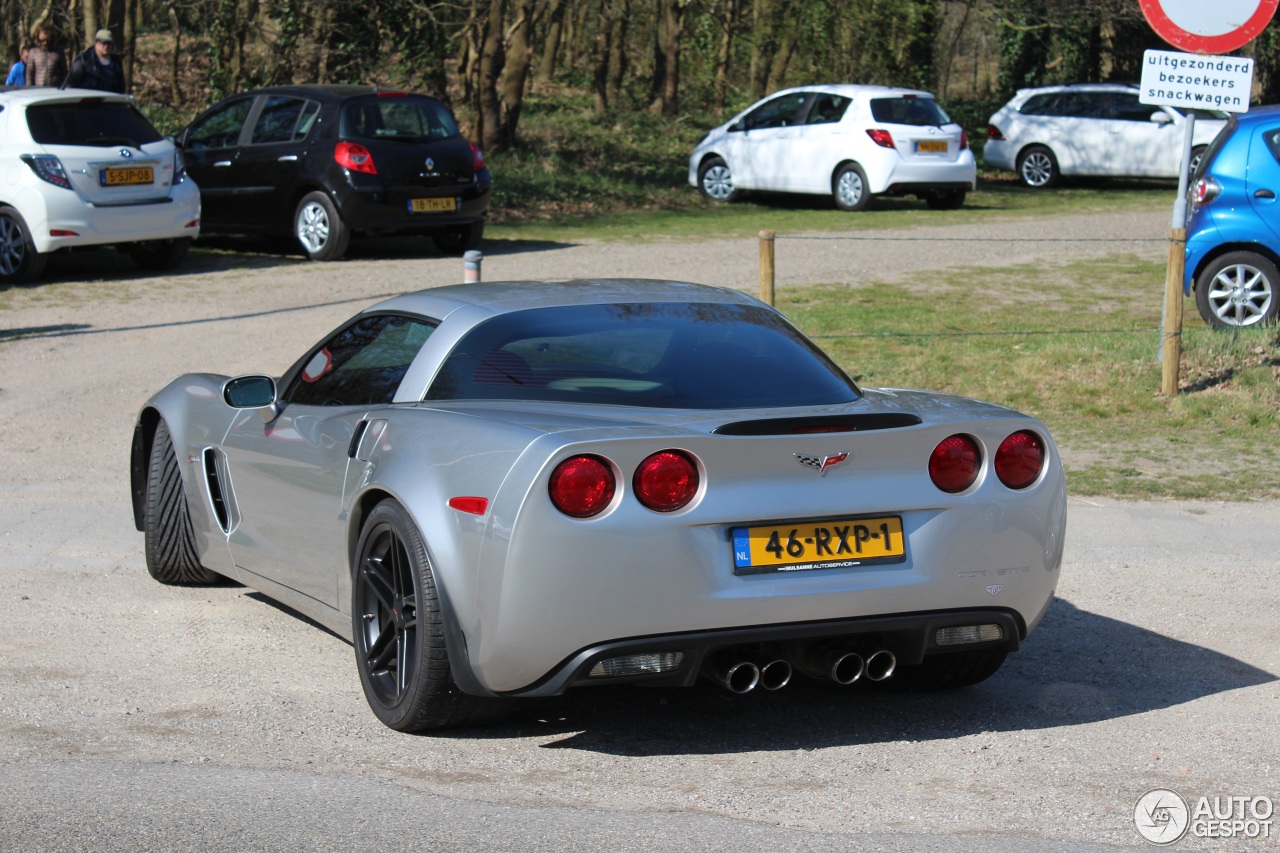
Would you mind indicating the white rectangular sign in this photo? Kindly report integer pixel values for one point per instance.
(1172, 79)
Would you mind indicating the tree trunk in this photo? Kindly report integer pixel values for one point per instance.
(489, 117)
(600, 62)
(130, 40)
(763, 48)
(551, 41)
(618, 51)
(724, 52)
(175, 25)
(515, 71)
(89, 17)
(672, 24)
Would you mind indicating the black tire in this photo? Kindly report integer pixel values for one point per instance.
(1239, 290)
(399, 631)
(946, 200)
(1037, 167)
(166, 522)
(849, 188)
(459, 238)
(319, 230)
(159, 254)
(715, 181)
(19, 260)
(946, 671)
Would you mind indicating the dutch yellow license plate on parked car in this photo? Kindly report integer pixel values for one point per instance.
(433, 205)
(818, 545)
(931, 146)
(116, 176)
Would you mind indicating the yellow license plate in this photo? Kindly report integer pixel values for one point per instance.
(795, 547)
(927, 146)
(432, 205)
(126, 177)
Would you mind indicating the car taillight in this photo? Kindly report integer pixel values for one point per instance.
(964, 139)
(477, 158)
(353, 156)
(47, 168)
(666, 481)
(880, 137)
(1205, 191)
(1020, 459)
(582, 486)
(993, 132)
(179, 166)
(954, 463)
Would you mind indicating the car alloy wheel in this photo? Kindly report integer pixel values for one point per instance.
(321, 232)
(1239, 289)
(850, 188)
(313, 227)
(1037, 168)
(19, 260)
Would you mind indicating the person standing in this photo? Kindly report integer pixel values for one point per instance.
(18, 71)
(46, 66)
(98, 68)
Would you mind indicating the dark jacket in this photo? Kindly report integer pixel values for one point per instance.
(88, 73)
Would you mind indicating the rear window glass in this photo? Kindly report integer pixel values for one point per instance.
(681, 355)
(397, 117)
(1211, 153)
(920, 112)
(90, 122)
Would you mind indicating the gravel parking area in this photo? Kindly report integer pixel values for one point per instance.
(134, 715)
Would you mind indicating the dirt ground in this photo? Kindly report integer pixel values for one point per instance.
(1156, 668)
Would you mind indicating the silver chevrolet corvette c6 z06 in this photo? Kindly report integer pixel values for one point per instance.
(512, 489)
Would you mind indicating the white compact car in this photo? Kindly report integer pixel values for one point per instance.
(1092, 129)
(851, 142)
(86, 168)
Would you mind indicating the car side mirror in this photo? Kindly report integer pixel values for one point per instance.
(737, 126)
(254, 391)
(1161, 117)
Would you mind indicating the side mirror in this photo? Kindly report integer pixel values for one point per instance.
(254, 391)
(1161, 117)
(737, 126)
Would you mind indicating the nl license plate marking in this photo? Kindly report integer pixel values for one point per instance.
(433, 205)
(818, 545)
(928, 146)
(126, 177)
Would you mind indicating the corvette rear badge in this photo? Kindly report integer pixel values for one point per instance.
(822, 463)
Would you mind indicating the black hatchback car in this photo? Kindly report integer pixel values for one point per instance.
(322, 163)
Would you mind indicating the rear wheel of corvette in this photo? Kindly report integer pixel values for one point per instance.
(399, 631)
(321, 232)
(159, 254)
(459, 238)
(19, 260)
(946, 671)
(166, 523)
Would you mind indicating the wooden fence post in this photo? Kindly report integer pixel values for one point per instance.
(766, 266)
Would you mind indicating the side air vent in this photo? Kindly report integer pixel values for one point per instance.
(820, 424)
(217, 495)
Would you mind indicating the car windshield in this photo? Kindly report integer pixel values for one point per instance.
(920, 112)
(410, 117)
(668, 355)
(90, 122)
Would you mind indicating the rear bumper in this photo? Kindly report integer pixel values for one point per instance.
(379, 209)
(910, 637)
(97, 225)
(921, 175)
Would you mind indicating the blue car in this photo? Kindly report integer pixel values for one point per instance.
(1233, 233)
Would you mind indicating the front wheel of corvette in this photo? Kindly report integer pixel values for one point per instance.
(399, 631)
(946, 671)
(166, 523)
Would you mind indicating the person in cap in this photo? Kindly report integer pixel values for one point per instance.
(98, 68)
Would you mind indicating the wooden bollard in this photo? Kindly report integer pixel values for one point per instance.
(766, 266)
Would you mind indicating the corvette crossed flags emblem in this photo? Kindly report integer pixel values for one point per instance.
(822, 463)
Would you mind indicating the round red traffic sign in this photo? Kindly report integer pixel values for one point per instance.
(1197, 26)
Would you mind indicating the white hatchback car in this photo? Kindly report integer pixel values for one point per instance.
(1091, 129)
(851, 142)
(86, 168)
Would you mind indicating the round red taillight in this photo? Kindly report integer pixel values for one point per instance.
(582, 486)
(1020, 459)
(954, 463)
(666, 481)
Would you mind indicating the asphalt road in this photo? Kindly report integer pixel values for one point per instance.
(136, 716)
